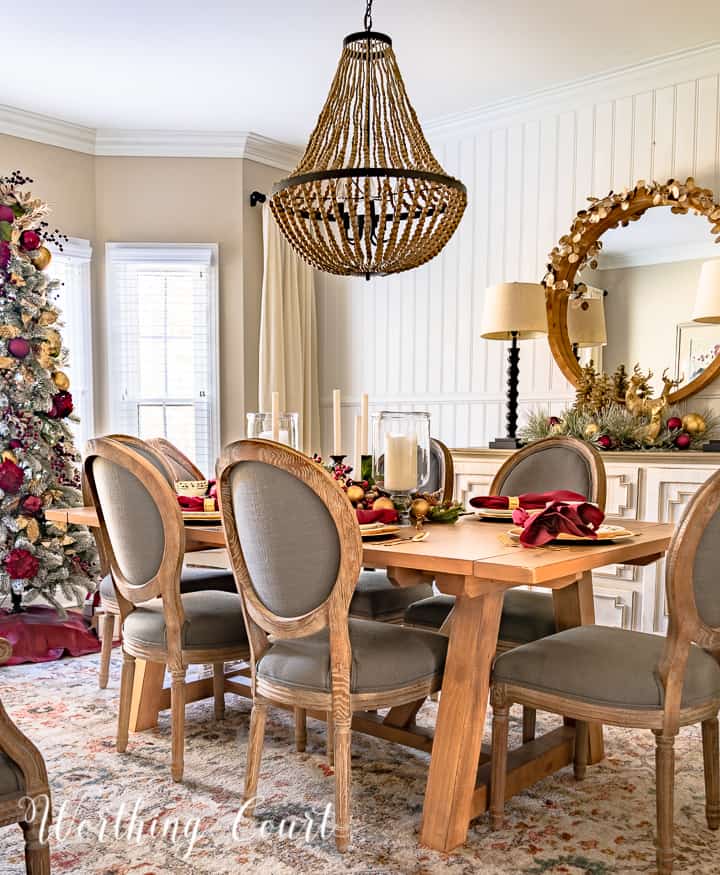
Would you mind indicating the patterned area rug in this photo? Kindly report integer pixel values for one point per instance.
(119, 815)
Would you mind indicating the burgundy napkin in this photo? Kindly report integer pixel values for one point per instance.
(582, 519)
(385, 515)
(530, 500)
(191, 502)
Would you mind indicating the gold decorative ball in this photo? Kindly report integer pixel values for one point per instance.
(693, 423)
(41, 257)
(383, 503)
(591, 429)
(52, 338)
(354, 493)
(420, 508)
(62, 381)
(9, 456)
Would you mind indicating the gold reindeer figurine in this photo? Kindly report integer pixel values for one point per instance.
(652, 408)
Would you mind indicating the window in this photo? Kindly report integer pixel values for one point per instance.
(162, 341)
(74, 298)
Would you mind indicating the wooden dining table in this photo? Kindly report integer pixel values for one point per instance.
(474, 561)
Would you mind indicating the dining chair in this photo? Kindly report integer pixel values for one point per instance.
(634, 679)
(176, 466)
(296, 552)
(24, 789)
(527, 615)
(375, 597)
(143, 536)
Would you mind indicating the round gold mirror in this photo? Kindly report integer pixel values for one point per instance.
(637, 281)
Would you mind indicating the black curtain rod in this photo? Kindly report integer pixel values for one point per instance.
(257, 197)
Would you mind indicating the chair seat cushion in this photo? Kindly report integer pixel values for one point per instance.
(526, 615)
(191, 580)
(12, 781)
(375, 597)
(212, 619)
(384, 657)
(605, 666)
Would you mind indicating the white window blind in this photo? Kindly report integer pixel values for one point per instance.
(74, 298)
(162, 342)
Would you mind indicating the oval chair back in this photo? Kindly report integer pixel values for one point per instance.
(442, 471)
(141, 526)
(182, 467)
(293, 539)
(553, 463)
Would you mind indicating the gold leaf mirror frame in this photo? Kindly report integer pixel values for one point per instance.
(580, 247)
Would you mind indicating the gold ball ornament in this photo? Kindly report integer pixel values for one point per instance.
(420, 508)
(354, 493)
(41, 258)
(52, 338)
(383, 503)
(591, 429)
(62, 381)
(693, 423)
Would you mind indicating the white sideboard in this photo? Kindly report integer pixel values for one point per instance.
(640, 486)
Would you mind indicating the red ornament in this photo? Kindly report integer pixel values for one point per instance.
(6, 214)
(605, 442)
(20, 564)
(18, 347)
(31, 504)
(683, 441)
(11, 477)
(5, 254)
(63, 404)
(674, 423)
(15, 444)
(553, 420)
(30, 240)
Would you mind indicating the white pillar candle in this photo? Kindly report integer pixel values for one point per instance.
(276, 416)
(400, 462)
(283, 436)
(364, 424)
(357, 461)
(337, 427)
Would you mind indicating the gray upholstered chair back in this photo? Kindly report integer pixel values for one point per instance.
(706, 573)
(560, 465)
(288, 538)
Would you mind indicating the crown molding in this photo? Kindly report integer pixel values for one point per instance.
(44, 129)
(659, 72)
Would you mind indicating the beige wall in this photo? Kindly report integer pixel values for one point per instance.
(165, 200)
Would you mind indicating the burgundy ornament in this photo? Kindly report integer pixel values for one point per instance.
(30, 240)
(605, 442)
(62, 405)
(11, 477)
(674, 423)
(682, 441)
(15, 444)
(553, 420)
(5, 254)
(21, 564)
(31, 504)
(6, 214)
(18, 347)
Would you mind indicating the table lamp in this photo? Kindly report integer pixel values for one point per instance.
(513, 311)
(707, 309)
(586, 322)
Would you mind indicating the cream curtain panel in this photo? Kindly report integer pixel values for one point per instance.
(288, 334)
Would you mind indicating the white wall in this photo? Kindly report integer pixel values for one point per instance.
(413, 340)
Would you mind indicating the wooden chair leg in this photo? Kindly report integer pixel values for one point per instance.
(37, 854)
(127, 679)
(254, 754)
(582, 737)
(330, 739)
(342, 784)
(498, 766)
(177, 714)
(529, 719)
(665, 780)
(300, 729)
(108, 629)
(711, 760)
(219, 689)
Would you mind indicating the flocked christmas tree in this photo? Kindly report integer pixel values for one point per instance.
(39, 467)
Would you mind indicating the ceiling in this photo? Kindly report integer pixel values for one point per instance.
(266, 66)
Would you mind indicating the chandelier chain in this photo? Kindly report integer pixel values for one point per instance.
(368, 15)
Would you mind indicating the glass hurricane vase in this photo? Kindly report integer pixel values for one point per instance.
(401, 454)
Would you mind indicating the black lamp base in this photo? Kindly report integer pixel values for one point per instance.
(505, 443)
(711, 447)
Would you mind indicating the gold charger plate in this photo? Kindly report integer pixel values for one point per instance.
(378, 531)
(201, 516)
(604, 533)
(489, 513)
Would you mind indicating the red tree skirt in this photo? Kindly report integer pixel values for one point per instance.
(40, 635)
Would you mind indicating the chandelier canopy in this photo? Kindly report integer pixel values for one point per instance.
(368, 196)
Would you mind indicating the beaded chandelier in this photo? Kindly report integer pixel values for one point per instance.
(368, 196)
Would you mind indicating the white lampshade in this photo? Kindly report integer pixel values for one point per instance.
(586, 322)
(514, 307)
(707, 299)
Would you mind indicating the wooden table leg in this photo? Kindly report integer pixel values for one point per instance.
(146, 695)
(574, 606)
(460, 721)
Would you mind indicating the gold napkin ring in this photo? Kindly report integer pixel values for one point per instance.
(208, 505)
(513, 502)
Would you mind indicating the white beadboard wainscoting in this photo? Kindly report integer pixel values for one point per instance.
(413, 340)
